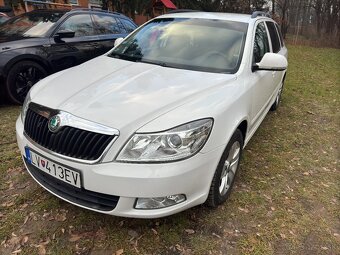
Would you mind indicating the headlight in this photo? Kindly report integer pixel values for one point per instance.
(174, 144)
(25, 107)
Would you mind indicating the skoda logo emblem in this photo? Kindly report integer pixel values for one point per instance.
(54, 123)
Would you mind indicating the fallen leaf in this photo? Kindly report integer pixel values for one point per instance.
(190, 231)
(154, 231)
(14, 241)
(74, 238)
(283, 236)
(178, 247)
(218, 236)
(268, 197)
(7, 204)
(119, 252)
(45, 242)
(16, 252)
(24, 240)
(325, 185)
(42, 250)
(60, 217)
(243, 210)
(26, 219)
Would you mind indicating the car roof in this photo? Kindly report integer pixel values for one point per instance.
(47, 11)
(74, 10)
(246, 18)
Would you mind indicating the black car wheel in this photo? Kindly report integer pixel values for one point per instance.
(21, 77)
(225, 173)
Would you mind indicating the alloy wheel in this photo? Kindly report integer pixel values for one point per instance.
(229, 168)
(26, 78)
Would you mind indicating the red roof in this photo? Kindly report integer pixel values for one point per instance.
(169, 4)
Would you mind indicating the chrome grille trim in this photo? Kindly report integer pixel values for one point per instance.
(70, 121)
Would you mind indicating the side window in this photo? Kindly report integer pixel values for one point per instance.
(280, 34)
(129, 26)
(274, 37)
(106, 24)
(261, 44)
(81, 24)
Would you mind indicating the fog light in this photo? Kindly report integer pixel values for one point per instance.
(159, 202)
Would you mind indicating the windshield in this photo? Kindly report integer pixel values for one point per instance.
(193, 44)
(32, 24)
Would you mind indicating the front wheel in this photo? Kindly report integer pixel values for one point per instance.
(225, 173)
(21, 77)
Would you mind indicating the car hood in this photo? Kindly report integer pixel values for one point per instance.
(119, 93)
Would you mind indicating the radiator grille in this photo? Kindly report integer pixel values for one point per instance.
(68, 141)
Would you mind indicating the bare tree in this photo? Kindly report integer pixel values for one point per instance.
(283, 7)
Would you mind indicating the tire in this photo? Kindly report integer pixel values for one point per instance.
(21, 77)
(277, 102)
(226, 171)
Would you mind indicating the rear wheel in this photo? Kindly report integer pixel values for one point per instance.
(21, 77)
(276, 104)
(226, 171)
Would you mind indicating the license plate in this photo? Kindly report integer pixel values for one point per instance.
(60, 172)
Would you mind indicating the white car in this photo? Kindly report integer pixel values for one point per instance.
(158, 124)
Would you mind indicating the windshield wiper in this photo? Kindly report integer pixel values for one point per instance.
(125, 57)
(159, 63)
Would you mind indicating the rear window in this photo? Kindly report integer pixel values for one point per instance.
(280, 34)
(274, 37)
(129, 26)
(107, 24)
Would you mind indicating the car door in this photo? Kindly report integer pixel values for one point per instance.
(108, 28)
(262, 81)
(277, 47)
(67, 52)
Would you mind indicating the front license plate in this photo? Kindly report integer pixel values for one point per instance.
(54, 169)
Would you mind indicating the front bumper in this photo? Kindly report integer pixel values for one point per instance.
(127, 181)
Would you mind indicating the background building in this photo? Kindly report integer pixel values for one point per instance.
(139, 11)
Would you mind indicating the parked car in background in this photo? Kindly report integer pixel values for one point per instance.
(158, 124)
(38, 43)
(3, 17)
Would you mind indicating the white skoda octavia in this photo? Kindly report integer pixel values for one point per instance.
(157, 125)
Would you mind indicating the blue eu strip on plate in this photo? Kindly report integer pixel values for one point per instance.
(28, 154)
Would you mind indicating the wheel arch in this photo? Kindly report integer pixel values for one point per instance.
(28, 57)
(243, 127)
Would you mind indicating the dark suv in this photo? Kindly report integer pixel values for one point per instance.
(38, 43)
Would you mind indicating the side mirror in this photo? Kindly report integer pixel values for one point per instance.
(118, 41)
(272, 62)
(64, 34)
